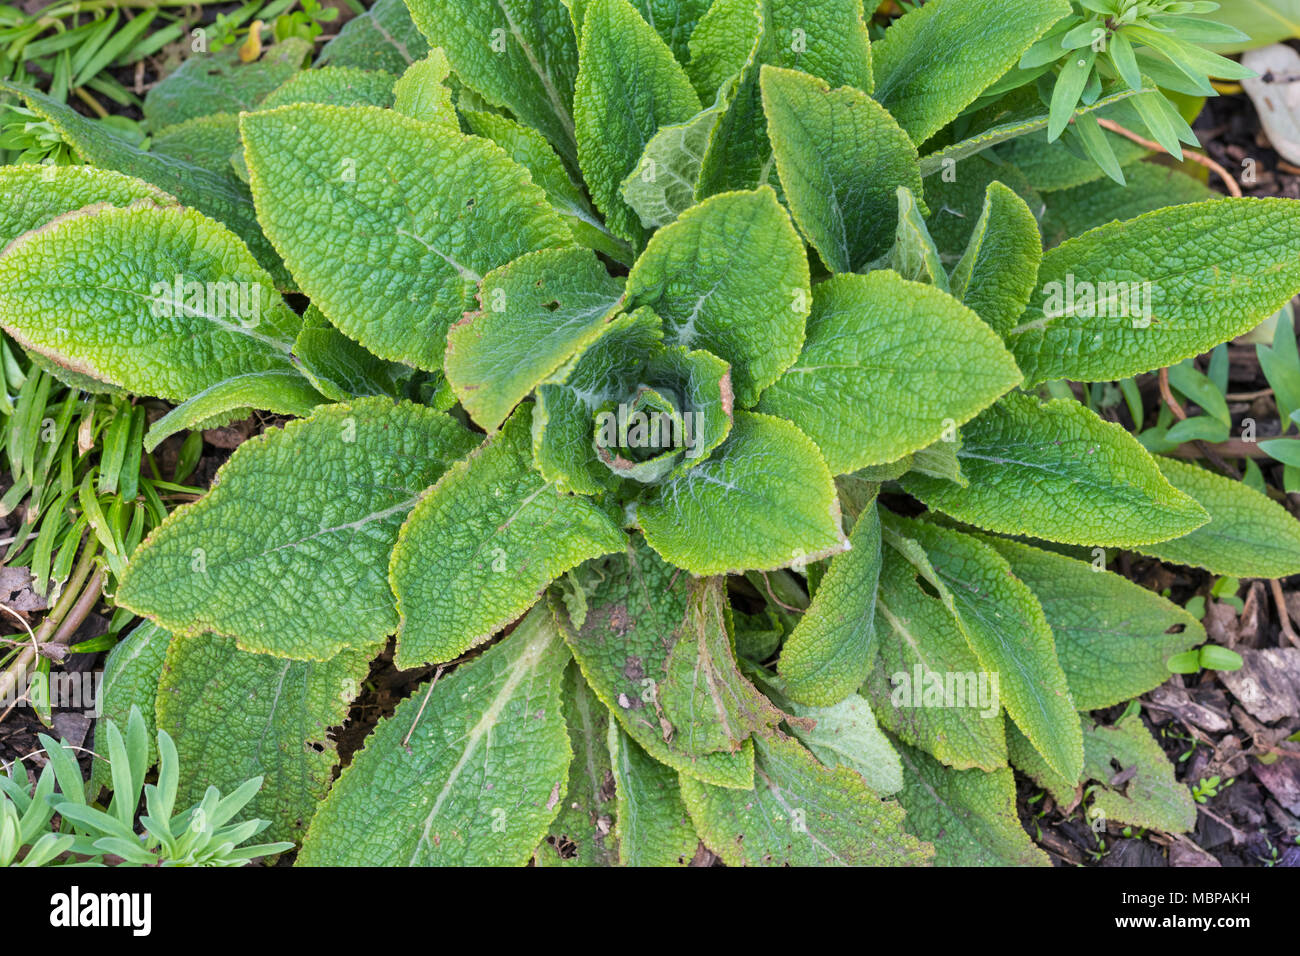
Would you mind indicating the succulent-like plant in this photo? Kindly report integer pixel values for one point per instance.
(202, 835)
(698, 358)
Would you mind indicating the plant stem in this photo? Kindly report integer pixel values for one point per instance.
(69, 606)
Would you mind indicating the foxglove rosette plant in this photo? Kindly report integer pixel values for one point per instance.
(689, 354)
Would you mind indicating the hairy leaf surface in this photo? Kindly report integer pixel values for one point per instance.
(729, 276)
(841, 158)
(1112, 636)
(1247, 535)
(467, 772)
(1131, 296)
(969, 815)
(888, 367)
(1057, 471)
(763, 500)
(534, 315)
(628, 87)
(170, 305)
(801, 814)
(404, 219)
(288, 552)
(235, 715)
(483, 543)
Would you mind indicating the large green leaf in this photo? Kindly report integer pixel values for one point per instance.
(32, 195)
(235, 715)
(1198, 275)
(841, 158)
(639, 641)
(1005, 626)
(221, 82)
(1057, 471)
(628, 87)
(583, 833)
(534, 315)
(382, 38)
(800, 814)
(764, 500)
(520, 54)
(970, 815)
(178, 307)
(827, 655)
(403, 220)
(218, 194)
(925, 71)
(288, 551)
(1112, 637)
(729, 276)
(483, 543)
(922, 649)
(469, 771)
(653, 826)
(888, 367)
(1247, 535)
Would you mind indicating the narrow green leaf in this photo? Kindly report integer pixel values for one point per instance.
(520, 54)
(653, 827)
(801, 814)
(969, 815)
(1247, 536)
(923, 654)
(583, 833)
(1057, 471)
(1103, 311)
(995, 276)
(281, 392)
(827, 655)
(1006, 628)
(628, 87)
(1112, 636)
(421, 92)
